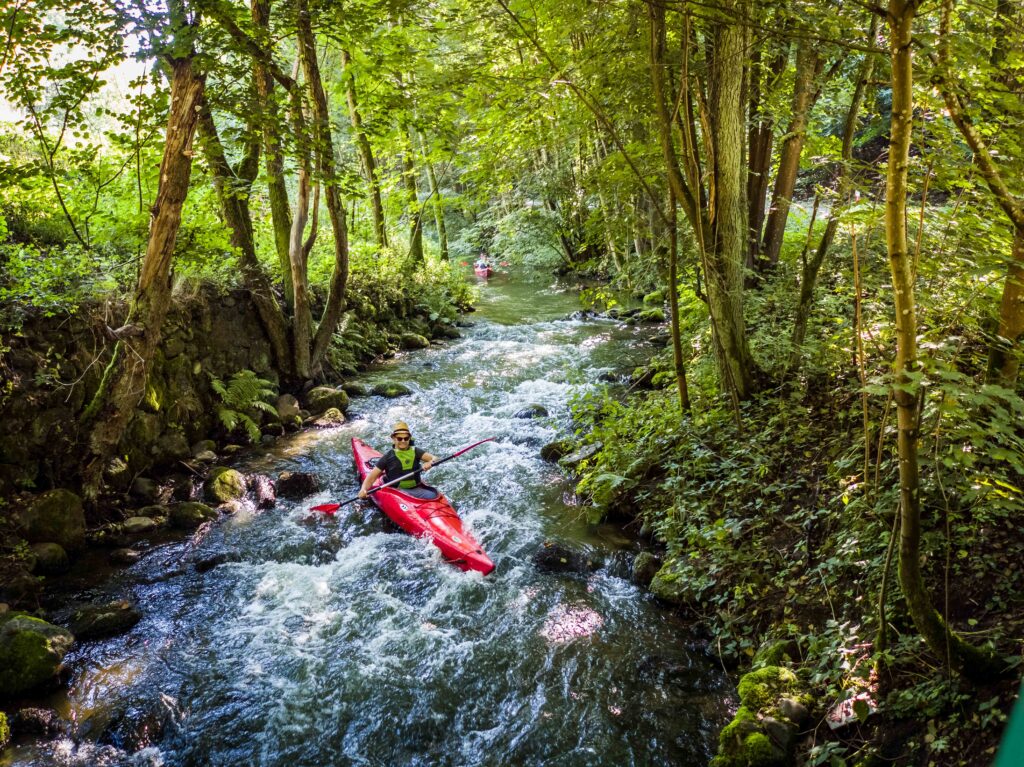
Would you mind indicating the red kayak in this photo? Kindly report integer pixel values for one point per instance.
(435, 519)
(485, 272)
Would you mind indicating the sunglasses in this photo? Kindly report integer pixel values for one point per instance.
(402, 439)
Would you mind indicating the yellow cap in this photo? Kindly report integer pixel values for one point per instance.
(400, 427)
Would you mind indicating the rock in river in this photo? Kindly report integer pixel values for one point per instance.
(98, 621)
(55, 516)
(31, 651)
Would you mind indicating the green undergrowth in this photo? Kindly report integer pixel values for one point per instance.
(771, 534)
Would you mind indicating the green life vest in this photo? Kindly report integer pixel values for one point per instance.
(409, 463)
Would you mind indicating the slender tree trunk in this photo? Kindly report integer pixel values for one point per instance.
(811, 268)
(808, 66)
(270, 121)
(673, 303)
(1005, 351)
(759, 153)
(436, 200)
(125, 379)
(415, 211)
(335, 209)
(941, 640)
(366, 159)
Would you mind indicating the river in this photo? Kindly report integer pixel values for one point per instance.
(342, 642)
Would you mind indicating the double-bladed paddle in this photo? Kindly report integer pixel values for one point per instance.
(330, 508)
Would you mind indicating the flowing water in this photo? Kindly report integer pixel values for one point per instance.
(342, 642)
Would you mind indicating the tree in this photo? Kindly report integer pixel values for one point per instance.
(943, 642)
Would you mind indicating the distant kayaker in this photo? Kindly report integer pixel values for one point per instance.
(401, 459)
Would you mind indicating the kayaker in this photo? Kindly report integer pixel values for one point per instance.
(401, 459)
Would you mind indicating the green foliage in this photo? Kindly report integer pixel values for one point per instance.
(241, 399)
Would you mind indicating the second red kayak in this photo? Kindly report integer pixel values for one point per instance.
(435, 518)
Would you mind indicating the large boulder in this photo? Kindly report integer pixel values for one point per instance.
(31, 651)
(531, 411)
(224, 485)
(55, 516)
(287, 407)
(323, 398)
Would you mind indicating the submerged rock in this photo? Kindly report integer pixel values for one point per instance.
(555, 557)
(31, 651)
(124, 556)
(297, 484)
(264, 490)
(207, 562)
(55, 516)
(99, 621)
(43, 722)
(532, 411)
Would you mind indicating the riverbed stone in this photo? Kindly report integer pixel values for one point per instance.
(55, 516)
(31, 651)
(41, 722)
(51, 559)
(573, 460)
(553, 451)
(670, 586)
(264, 490)
(190, 515)
(323, 398)
(645, 566)
(297, 484)
(139, 525)
(354, 389)
(224, 484)
(203, 446)
(331, 417)
(531, 411)
(287, 407)
(145, 489)
(124, 556)
(104, 620)
(554, 557)
(391, 390)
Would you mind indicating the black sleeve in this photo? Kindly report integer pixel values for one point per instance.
(386, 463)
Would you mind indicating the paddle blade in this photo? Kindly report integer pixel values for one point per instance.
(327, 508)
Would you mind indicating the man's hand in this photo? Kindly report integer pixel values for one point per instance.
(427, 465)
(362, 493)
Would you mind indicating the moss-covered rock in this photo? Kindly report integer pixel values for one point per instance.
(553, 451)
(413, 341)
(323, 398)
(655, 298)
(669, 585)
(650, 316)
(55, 516)
(224, 484)
(761, 735)
(392, 390)
(645, 567)
(31, 651)
(51, 559)
(190, 515)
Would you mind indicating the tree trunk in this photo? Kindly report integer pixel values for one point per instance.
(759, 153)
(673, 303)
(436, 200)
(1005, 351)
(945, 644)
(270, 121)
(808, 66)
(811, 269)
(726, 249)
(366, 159)
(324, 143)
(125, 379)
(415, 211)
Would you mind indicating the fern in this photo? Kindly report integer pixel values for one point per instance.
(244, 394)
